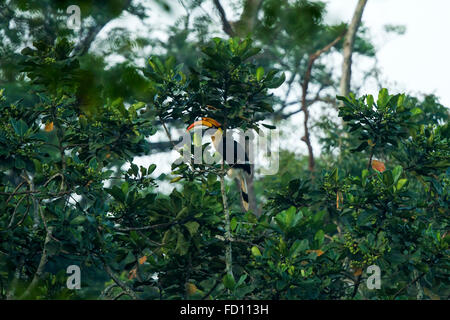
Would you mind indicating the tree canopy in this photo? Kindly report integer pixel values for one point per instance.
(371, 189)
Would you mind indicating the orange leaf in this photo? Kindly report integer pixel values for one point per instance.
(191, 288)
(318, 252)
(49, 126)
(211, 107)
(378, 165)
(142, 259)
(132, 274)
(358, 272)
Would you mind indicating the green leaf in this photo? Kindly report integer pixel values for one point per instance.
(401, 183)
(20, 127)
(255, 251)
(383, 98)
(192, 227)
(298, 246)
(268, 126)
(211, 178)
(319, 236)
(369, 100)
(151, 168)
(275, 83)
(124, 188)
(416, 111)
(396, 172)
(134, 169)
(361, 147)
(288, 218)
(250, 53)
(233, 223)
(78, 220)
(401, 100)
(388, 180)
(19, 163)
(117, 193)
(228, 281)
(241, 280)
(259, 73)
(182, 245)
(93, 163)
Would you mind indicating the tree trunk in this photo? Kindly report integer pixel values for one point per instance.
(348, 48)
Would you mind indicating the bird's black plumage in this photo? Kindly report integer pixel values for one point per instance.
(238, 162)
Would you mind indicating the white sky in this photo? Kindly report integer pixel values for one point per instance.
(419, 60)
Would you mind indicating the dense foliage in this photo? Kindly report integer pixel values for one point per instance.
(70, 193)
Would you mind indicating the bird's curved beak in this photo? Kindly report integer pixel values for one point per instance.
(207, 122)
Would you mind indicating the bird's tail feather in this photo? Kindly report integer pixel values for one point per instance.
(244, 192)
(240, 175)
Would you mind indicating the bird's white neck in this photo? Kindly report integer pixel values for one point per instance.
(217, 138)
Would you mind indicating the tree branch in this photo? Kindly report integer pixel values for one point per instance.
(226, 26)
(304, 106)
(348, 48)
(41, 266)
(228, 252)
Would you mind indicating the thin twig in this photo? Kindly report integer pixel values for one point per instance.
(405, 287)
(120, 283)
(15, 191)
(14, 213)
(106, 291)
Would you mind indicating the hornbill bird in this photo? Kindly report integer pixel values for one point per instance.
(240, 164)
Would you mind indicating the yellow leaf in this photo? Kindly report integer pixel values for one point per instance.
(255, 251)
(197, 139)
(339, 199)
(378, 165)
(432, 295)
(176, 179)
(370, 143)
(142, 259)
(49, 126)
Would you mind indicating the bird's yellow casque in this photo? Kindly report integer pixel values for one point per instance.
(219, 143)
